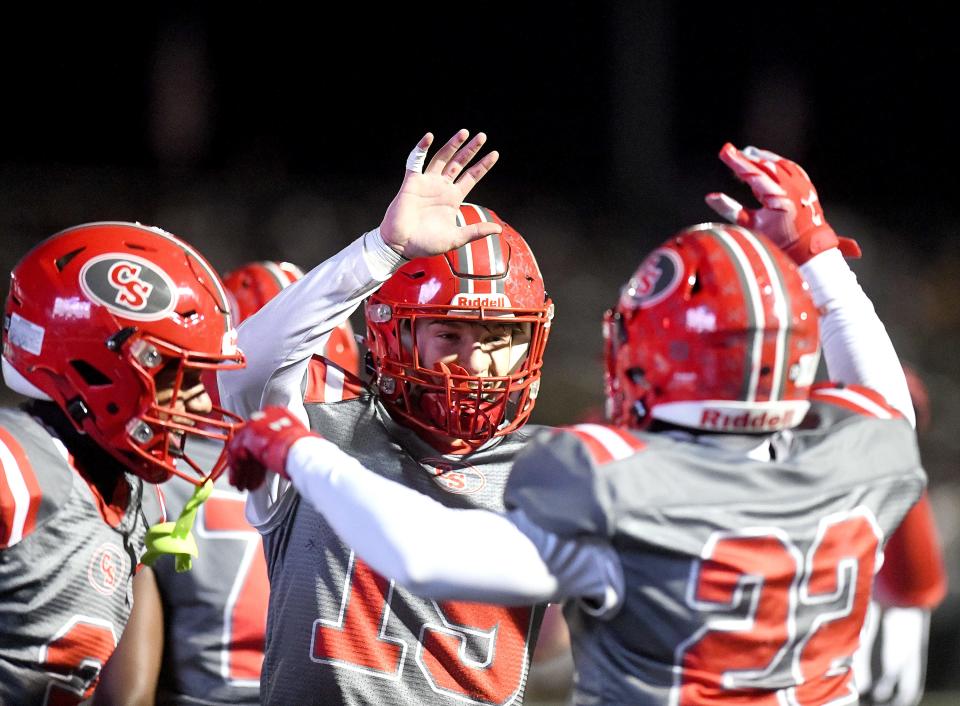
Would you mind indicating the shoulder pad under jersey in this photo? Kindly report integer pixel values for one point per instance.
(36, 478)
(857, 399)
(556, 479)
(328, 382)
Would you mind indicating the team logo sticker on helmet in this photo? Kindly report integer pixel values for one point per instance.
(130, 286)
(455, 477)
(654, 280)
(107, 570)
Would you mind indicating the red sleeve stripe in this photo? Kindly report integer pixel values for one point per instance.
(856, 401)
(333, 384)
(20, 493)
(327, 382)
(872, 394)
(324, 381)
(606, 444)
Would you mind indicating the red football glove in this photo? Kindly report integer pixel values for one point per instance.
(790, 215)
(261, 445)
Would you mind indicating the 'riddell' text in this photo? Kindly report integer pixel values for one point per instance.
(747, 421)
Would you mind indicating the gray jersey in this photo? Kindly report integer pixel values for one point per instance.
(338, 632)
(67, 558)
(746, 577)
(215, 614)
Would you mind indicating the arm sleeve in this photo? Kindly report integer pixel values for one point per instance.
(446, 553)
(913, 572)
(279, 340)
(855, 342)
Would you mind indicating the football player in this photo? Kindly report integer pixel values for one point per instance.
(891, 664)
(456, 341)
(197, 636)
(108, 328)
(719, 542)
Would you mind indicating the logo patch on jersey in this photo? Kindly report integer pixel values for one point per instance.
(130, 286)
(108, 569)
(654, 280)
(455, 477)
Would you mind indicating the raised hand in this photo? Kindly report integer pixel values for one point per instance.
(261, 445)
(422, 218)
(790, 212)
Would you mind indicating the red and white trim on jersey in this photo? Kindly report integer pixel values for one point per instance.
(606, 443)
(328, 382)
(755, 265)
(861, 400)
(161, 502)
(20, 494)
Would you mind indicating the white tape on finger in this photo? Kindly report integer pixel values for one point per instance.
(725, 206)
(416, 158)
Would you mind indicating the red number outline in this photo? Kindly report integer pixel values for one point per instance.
(60, 692)
(848, 579)
(359, 575)
(250, 578)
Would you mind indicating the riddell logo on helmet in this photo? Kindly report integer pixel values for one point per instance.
(474, 301)
(746, 421)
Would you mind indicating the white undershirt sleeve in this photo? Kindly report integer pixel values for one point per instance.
(280, 339)
(855, 342)
(445, 553)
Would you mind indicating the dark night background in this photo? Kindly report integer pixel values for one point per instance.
(277, 132)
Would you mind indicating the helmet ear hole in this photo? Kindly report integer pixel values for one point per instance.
(90, 375)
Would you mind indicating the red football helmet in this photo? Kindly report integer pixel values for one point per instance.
(96, 314)
(494, 279)
(716, 330)
(251, 286)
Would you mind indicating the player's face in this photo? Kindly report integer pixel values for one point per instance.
(191, 396)
(483, 349)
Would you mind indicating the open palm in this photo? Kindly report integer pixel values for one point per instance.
(422, 218)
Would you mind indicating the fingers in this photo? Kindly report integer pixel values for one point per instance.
(478, 230)
(454, 156)
(463, 156)
(754, 175)
(418, 154)
(476, 173)
(445, 153)
(728, 209)
(765, 155)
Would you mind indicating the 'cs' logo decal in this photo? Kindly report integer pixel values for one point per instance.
(108, 569)
(654, 280)
(130, 286)
(455, 477)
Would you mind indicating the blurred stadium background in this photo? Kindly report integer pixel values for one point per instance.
(280, 133)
